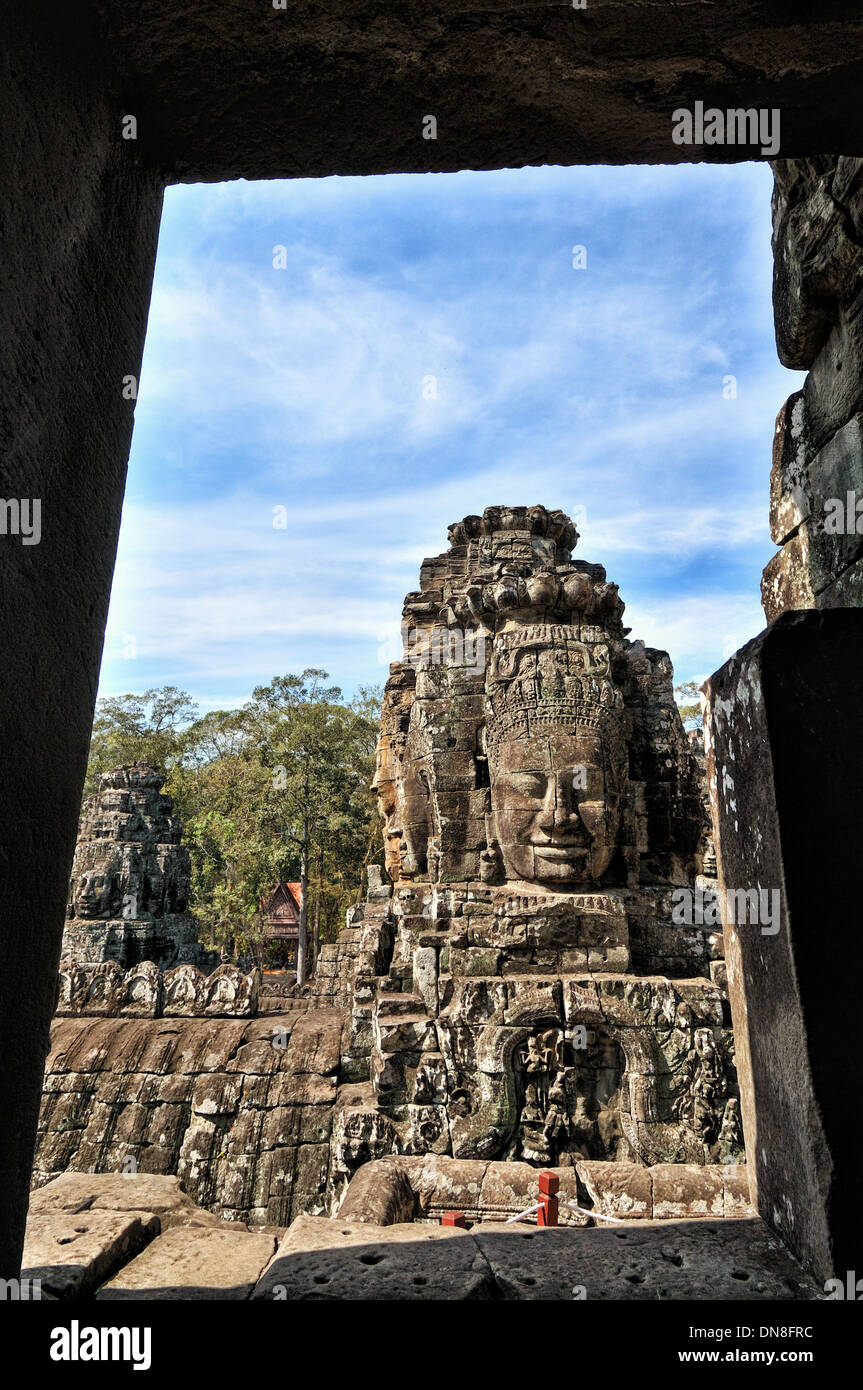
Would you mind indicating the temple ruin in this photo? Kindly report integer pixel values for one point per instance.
(339, 94)
(520, 991)
(513, 995)
(130, 878)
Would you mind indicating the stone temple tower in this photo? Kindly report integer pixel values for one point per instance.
(522, 988)
(130, 876)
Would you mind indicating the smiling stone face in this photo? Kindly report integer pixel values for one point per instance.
(556, 752)
(556, 805)
(97, 892)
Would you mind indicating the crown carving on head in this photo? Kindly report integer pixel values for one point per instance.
(528, 595)
(544, 676)
(132, 775)
(535, 521)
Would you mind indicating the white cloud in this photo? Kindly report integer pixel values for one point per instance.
(686, 626)
(599, 389)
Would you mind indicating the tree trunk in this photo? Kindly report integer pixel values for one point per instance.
(317, 933)
(303, 930)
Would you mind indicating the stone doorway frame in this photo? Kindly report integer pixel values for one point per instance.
(257, 93)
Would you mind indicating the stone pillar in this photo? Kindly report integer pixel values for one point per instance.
(785, 765)
(816, 483)
(81, 215)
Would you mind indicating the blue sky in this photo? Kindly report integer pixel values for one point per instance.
(597, 390)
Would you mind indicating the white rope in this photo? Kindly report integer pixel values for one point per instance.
(597, 1216)
(570, 1206)
(528, 1212)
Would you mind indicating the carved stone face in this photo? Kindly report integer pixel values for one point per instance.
(406, 809)
(97, 894)
(556, 802)
(416, 819)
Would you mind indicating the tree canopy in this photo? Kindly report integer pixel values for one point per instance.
(138, 728)
(689, 704)
(277, 790)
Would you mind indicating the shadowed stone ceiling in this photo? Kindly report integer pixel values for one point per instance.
(243, 90)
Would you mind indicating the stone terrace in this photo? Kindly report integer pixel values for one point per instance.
(140, 1238)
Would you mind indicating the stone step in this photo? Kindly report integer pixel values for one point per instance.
(390, 984)
(194, 1263)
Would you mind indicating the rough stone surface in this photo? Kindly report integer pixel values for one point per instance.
(817, 476)
(675, 1260)
(523, 990)
(130, 879)
(151, 1193)
(71, 1254)
(687, 1260)
(88, 1230)
(785, 769)
(80, 220)
(194, 1264)
(316, 89)
(334, 1259)
(239, 1109)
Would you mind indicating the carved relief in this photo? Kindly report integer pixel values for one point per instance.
(105, 990)
(130, 877)
(540, 806)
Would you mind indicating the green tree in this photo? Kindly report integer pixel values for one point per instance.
(277, 790)
(320, 753)
(689, 704)
(138, 728)
(216, 783)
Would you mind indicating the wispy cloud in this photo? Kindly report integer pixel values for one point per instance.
(310, 388)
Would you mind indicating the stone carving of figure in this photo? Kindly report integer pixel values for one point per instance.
(544, 1122)
(97, 893)
(404, 802)
(731, 1134)
(556, 804)
(707, 1085)
(534, 1145)
(556, 757)
(531, 1114)
(558, 1126)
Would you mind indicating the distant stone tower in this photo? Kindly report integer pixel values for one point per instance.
(130, 876)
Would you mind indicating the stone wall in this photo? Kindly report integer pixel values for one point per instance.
(239, 1109)
(816, 482)
(80, 225)
(783, 739)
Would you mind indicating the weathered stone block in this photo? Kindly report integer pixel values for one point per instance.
(772, 750)
(193, 1265)
(686, 1190)
(623, 1190)
(789, 491)
(70, 1254)
(653, 1261)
